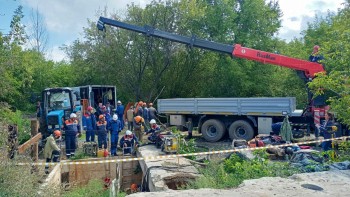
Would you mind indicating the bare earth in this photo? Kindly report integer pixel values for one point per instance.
(330, 183)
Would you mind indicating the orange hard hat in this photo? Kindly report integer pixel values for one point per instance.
(101, 116)
(138, 119)
(133, 187)
(57, 133)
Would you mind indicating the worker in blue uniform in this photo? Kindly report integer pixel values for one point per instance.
(324, 130)
(89, 124)
(101, 127)
(114, 126)
(120, 113)
(72, 130)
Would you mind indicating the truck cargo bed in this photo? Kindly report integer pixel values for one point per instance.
(267, 106)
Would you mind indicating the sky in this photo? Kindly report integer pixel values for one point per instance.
(65, 19)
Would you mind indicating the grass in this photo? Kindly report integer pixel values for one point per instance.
(93, 188)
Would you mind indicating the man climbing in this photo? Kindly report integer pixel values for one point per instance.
(89, 124)
(315, 56)
(72, 129)
(114, 126)
(51, 150)
(128, 142)
(101, 127)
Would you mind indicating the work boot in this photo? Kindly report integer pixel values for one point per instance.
(189, 136)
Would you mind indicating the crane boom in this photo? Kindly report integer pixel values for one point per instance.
(236, 50)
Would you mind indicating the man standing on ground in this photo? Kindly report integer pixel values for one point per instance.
(138, 127)
(145, 114)
(51, 150)
(114, 126)
(89, 124)
(130, 118)
(153, 113)
(120, 113)
(102, 132)
(72, 129)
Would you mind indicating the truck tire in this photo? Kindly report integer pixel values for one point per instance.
(241, 129)
(213, 130)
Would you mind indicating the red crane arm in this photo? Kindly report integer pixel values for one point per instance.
(309, 68)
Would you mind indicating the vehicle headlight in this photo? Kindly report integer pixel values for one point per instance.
(50, 126)
(57, 126)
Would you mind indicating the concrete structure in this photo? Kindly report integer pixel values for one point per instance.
(52, 182)
(165, 174)
(318, 184)
(81, 174)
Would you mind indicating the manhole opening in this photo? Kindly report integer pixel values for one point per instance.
(176, 182)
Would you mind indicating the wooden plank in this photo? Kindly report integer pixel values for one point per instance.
(28, 143)
(34, 131)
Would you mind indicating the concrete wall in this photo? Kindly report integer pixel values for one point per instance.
(52, 183)
(81, 174)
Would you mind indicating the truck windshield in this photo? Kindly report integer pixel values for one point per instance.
(59, 100)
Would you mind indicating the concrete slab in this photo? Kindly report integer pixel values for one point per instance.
(165, 174)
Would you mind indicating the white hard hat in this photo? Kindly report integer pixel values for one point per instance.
(119, 102)
(152, 121)
(73, 115)
(128, 132)
(115, 117)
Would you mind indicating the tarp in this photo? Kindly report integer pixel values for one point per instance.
(286, 130)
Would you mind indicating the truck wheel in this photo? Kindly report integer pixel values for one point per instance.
(241, 129)
(213, 130)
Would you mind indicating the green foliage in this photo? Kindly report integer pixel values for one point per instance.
(233, 171)
(332, 35)
(93, 188)
(16, 118)
(14, 180)
(344, 151)
(79, 154)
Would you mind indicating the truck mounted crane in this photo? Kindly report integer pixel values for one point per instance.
(239, 122)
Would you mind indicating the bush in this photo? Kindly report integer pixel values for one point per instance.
(233, 171)
(16, 118)
(344, 151)
(14, 180)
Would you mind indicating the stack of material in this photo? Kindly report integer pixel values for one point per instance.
(90, 148)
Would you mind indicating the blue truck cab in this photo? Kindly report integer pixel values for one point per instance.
(57, 105)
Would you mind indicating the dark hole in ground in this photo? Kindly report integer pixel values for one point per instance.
(65, 180)
(177, 181)
(312, 187)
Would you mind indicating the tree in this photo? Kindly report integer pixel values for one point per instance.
(337, 57)
(38, 37)
(17, 33)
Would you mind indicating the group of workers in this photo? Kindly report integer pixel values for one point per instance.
(101, 123)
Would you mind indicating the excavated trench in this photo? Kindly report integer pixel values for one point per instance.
(159, 175)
